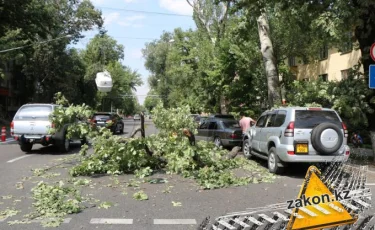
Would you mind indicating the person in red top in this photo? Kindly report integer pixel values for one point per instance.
(245, 122)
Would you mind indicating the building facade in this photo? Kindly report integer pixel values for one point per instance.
(333, 65)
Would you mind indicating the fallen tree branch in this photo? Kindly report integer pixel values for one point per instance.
(139, 129)
(234, 152)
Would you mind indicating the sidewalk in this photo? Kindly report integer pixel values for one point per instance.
(362, 152)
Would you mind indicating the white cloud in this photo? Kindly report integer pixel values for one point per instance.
(111, 17)
(130, 1)
(98, 2)
(132, 21)
(176, 6)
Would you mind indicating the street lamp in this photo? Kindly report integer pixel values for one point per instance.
(104, 81)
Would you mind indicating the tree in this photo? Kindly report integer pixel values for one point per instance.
(30, 24)
(212, 18)
(104, 53)
(151, 101)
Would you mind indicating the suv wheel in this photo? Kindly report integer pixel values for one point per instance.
(84, 141)
(326, 138)
(64, 144)
(26, 147)
(217, 141)
(246, 148)
(273, 161)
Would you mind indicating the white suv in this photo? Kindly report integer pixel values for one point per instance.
(31, 126)
(297, 134)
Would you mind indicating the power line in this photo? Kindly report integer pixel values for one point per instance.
(20, 47)
(145, 12)
(138, 38)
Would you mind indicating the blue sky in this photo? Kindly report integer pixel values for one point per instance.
(125, 27)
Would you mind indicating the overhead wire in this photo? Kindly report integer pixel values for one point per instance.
(145, 12)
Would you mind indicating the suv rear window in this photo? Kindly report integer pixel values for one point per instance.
(102, 117)
(231, 124)
(308, 119)
(35, 112)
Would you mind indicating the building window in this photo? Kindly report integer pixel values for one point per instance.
(347, 45)
(345, 74)
(323, 77)
(324, 52)
(292, 61)
(306, 79)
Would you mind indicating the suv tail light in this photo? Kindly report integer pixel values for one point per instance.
(233, 136)
(289, 131)
(345, 129)
(12, 128)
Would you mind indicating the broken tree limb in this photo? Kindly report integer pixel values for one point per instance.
(143, 133)
(232, 154)
(138, 129)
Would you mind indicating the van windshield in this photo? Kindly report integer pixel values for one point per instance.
(34, 112)
(308, 119)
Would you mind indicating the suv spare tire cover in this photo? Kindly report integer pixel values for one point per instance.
(326, 138)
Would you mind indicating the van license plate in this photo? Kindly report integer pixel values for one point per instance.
(302, 148)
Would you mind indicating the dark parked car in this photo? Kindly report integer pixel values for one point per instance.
(200, 119)
(110, 120)
(223, 131)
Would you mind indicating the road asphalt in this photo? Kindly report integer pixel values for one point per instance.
(158, 212)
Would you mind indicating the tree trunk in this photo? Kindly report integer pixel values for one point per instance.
(143, 133)
(365, 34)
(223, 105)
(372, 135)
(269, 61)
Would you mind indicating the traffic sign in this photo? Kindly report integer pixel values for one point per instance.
(372, 51)
(371, 80)
(323, 210)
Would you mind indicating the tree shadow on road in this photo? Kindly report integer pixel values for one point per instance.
(292, 170)
(53, 150)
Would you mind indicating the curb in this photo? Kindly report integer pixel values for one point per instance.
(8, 141)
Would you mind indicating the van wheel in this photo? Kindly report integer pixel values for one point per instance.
(121, 129)
(273, 161)
(64, 144)
(26, 147)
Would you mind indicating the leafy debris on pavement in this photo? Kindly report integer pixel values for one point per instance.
(8, 213)
(52, 203)
(140, 195)
(105, 205)
(176, 204)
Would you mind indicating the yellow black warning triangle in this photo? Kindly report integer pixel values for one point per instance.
(322, 215)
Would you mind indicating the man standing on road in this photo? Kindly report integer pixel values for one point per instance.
(245, 122)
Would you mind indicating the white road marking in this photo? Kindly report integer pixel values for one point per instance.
(110, 221)
(18, 158)
(175, 221)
